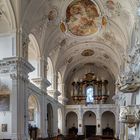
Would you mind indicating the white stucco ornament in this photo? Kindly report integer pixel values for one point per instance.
(130, 115)
(129, 80)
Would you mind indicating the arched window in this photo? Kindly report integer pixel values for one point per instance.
(50, 73)
(7, 26)
(34, 57)
(59, 82)
(89, 94)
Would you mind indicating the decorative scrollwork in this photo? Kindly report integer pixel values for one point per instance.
(130, 115)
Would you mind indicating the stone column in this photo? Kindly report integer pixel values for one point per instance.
(43, 120)
(126, 132)
(19, 107)
(98, 121)
(62, 97)
(122, 129)
(25, 43)
(43, 83)
(80, 122)
(56, 93)
(55, 119)
(117, 122)
(63, 121)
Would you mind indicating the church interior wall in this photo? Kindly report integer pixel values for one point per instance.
(117, 48)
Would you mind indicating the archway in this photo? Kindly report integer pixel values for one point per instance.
(60, 120)
(71, 123)
(34, 56)
(50, 120)
(108, 123)
(89, 123)
(33, 116)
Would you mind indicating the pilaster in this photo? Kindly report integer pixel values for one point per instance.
(43, 116)
(98, 121)
(17, 68)
(80, 121)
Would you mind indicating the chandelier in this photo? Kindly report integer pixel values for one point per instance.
(100, 91)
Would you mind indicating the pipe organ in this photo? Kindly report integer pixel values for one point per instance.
(99, 93)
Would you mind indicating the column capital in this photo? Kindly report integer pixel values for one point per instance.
(40, 81)
(16, 65)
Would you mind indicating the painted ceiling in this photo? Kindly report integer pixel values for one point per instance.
(66, 28)
(82, 17)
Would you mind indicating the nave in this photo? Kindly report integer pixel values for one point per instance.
(70, 68)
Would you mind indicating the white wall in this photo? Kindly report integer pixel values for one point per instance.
(5, 118)
(7, 46)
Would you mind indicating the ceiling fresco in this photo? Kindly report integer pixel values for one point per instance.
(82, 17)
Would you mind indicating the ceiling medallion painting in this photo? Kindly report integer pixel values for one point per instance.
(82, 17)
(87, 52)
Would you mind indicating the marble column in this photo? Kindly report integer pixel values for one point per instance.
(80, 122)
(126, 132)
(43, 120)
(25, 43)
(56, 93)
(19, 107)
(122, 129)
(62, 97)
(55, 119)
(98, 122)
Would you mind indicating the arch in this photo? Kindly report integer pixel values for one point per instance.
(50, 73)
(49, 120)
(108, 123)
(106, 110)
(60, 121)
(71, 122)
(7, 30)
(33, 111)
(34, 56)
(8, 20)
(89, 123)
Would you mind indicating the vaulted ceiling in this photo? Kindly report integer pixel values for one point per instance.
(52, 24)
(64, 39)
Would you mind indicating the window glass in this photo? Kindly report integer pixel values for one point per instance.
(89, 94)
